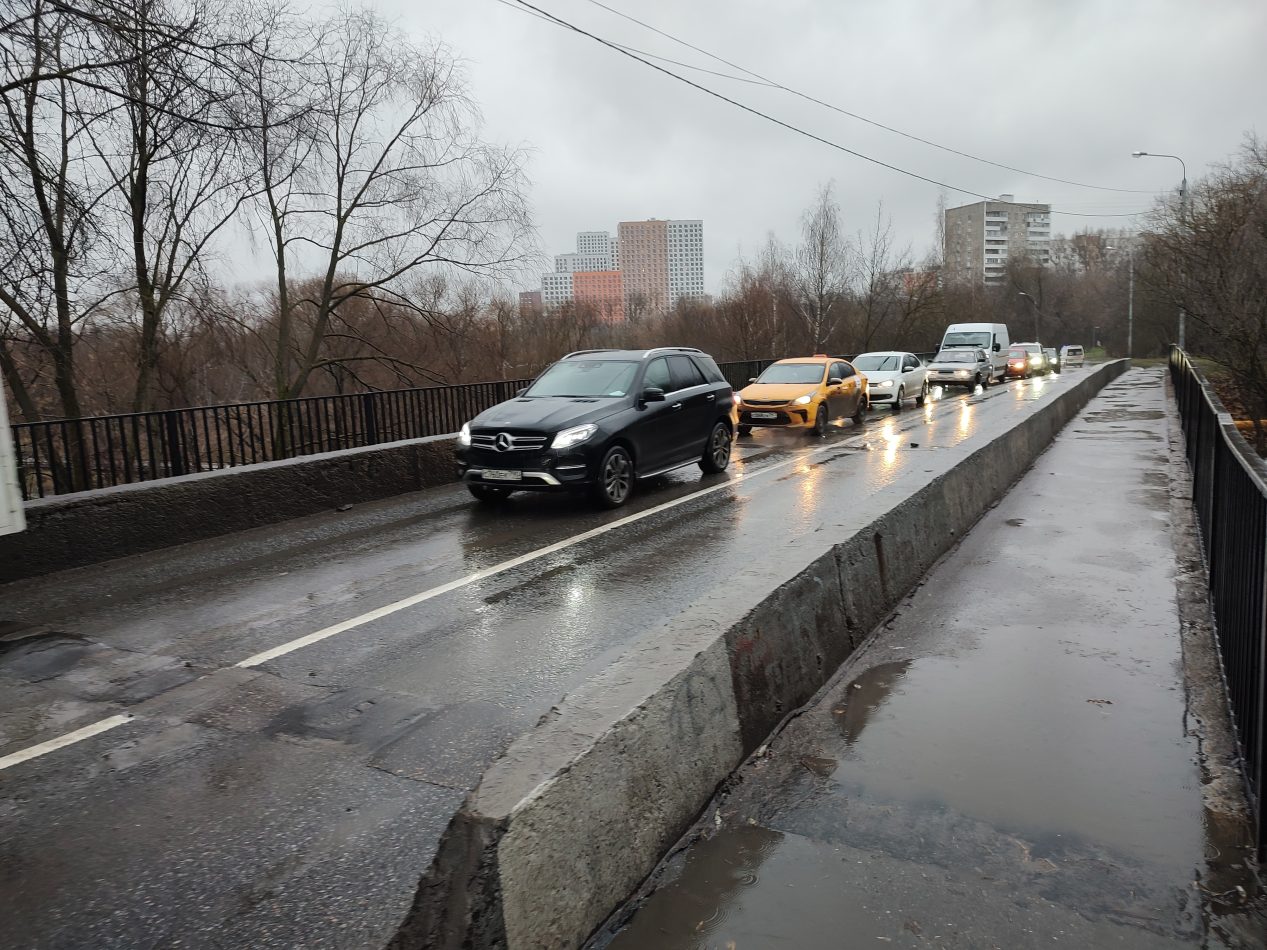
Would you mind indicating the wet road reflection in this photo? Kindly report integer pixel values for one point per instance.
(416, 701)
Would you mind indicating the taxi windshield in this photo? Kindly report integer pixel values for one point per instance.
(792, 373)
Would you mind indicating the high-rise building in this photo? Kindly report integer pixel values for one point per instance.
(556, 289)
(981, 238)
(603, 290)
(644, 263)
(686, 261)
(529, 300)
(602, 244)
(655, 264)
(572, 262)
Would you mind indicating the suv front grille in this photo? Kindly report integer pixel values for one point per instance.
(505, 442)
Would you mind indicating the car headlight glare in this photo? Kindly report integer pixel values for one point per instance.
(803, 400)
(464, 437)
(962, 373)
(574, 436)
(883, 384)
(738, 399)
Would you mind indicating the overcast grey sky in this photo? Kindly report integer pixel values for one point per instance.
(1066, 88)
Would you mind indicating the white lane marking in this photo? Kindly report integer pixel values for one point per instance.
(476, 576)
(87, 732)
(387, 610)
(52, 745)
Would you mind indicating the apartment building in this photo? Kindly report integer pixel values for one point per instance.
(644, 263)
(556, 289)
(655, 263)
(603, 290)
(529, 301)
(981, 238)
(686, 261)
(599, 244)
(577, 261)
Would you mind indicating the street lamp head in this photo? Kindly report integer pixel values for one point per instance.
(1138, 154)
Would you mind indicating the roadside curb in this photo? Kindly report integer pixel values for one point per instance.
(77, 530)
(576, 813)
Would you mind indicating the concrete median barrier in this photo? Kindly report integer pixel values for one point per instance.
(578, 812)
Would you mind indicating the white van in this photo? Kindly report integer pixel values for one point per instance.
(1070, 356)
(991, 337)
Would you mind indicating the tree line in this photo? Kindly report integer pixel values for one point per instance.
(138, 136)
(141, 139)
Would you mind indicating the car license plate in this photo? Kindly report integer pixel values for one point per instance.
(502, 475)
(764, 415)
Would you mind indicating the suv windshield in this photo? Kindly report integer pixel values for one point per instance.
(878, 364)
(978, 338)
(1017, 354)
(585, 378)
(956, 356)
(792, 373)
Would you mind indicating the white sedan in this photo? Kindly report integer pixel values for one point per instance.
(893, 377)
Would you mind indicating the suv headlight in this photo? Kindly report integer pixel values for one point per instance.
(574, 436)
(464, 437)
(803, 400)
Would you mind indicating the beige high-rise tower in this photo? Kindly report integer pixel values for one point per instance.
(981, 238)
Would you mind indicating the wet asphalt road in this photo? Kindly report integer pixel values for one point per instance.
(1008, 763)
(296, 803)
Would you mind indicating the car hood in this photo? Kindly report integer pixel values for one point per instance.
(970, 367)
(547, 413)
(772, 392)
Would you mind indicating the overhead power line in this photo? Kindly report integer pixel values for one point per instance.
(779, 122)
(774, 84)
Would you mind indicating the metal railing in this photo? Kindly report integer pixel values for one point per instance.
(1229, 488)
(73, 455)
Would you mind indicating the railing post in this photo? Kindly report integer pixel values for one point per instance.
(176, 461)
(369, 418)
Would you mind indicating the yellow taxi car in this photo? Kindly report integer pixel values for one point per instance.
(803, 393)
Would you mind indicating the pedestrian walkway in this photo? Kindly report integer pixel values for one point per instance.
(1009, 763)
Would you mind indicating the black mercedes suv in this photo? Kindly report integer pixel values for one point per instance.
(598, 420)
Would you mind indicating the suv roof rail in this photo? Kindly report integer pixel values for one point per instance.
(606, 349)
(675, 349)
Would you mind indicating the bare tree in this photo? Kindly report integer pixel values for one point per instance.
(378, 174)
(879, 271)
(818, 269)
(54, 254)
(1212, 262)
(178, 182)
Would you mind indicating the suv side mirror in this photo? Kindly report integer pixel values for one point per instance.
(835, 381)
(653, 394)
(997, 347)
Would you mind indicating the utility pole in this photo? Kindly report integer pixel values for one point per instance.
(1130, 307)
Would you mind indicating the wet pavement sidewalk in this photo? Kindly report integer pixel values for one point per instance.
(1011, 762)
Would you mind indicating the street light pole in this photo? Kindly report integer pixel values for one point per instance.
(1037, 313)
(1183, 216)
